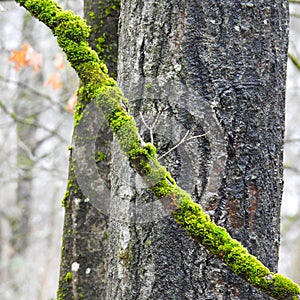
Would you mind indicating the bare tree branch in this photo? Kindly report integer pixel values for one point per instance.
(17, 119)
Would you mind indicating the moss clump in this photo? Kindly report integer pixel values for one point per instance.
(100, 156)
(93, 75)
(283, 287)
(100, 43)
(198, 225)
(77, 54)
(71, 27)
(145, 161)
(92, 15)
(65, 198)
(164, 187)
(68, 276)
(123, 125)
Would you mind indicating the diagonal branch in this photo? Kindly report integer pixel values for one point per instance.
(71, 32)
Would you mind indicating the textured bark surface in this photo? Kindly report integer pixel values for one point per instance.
(214, 68)
(85, 237)
(103, 16)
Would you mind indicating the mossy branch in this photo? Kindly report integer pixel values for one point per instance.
(71, 32)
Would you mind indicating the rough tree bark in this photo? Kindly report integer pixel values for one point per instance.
(208, 67)
(85, 228)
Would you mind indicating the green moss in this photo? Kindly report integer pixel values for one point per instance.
(100, 46)
(148, 152)
(65, 287)
(191, 216)
(164, 186)
(148, 85)
(68, 276)
(100, 156)
(71, 27)
(284, 287)
(123, 125)
(65, 198)
(92, 15)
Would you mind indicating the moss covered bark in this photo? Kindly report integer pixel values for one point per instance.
(71, 33)
(103, 16)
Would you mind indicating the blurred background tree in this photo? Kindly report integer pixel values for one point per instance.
(35, 133)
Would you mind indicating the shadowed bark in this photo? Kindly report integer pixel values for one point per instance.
(85, 235)
(215, 68)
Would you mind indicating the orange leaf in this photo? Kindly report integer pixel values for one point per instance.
(59, 62)
(18, 57)
(54, 80)
(71, 103)
(34, 60)
(26, 57)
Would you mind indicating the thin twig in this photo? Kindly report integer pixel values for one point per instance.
(28, 151)
(183, 140)
(294, 60)
(30, 123)
(32, 90)
(151, 127)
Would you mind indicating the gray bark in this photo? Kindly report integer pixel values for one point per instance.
(215, 68)
(85, 242)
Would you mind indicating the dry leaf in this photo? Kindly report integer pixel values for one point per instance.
(59, 62)
(54, 80)
(26, 57)
(18, 57)
(71, 103)
(34, 60)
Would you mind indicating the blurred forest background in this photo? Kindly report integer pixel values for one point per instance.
(35, 132)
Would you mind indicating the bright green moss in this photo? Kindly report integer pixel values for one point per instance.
(77, 54)
(44, 10)
(65, 198)
(78, 114)
(148, 151)
(100, 43)
(163, 187)
(71, 27)
(92, 15)
(100, 156)
(284, 287)
(68, 276)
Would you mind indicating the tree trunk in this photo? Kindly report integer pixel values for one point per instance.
(214, 73)
(83, 270)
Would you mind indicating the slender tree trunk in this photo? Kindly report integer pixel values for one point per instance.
(215, 73)
(83, 270)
